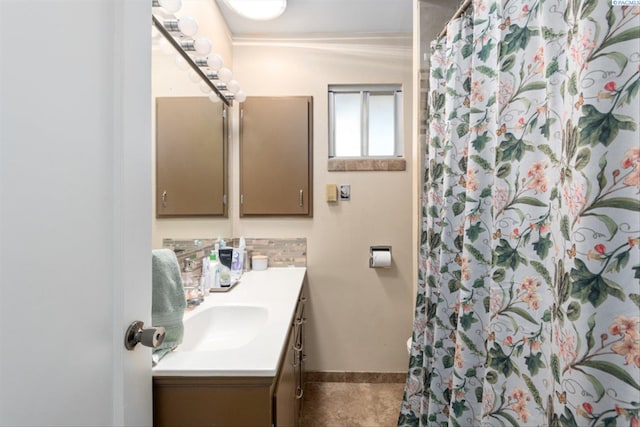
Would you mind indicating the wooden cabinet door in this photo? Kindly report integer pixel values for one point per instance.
(276, 148)
(285, 394)
(191, 166)
(212, 401)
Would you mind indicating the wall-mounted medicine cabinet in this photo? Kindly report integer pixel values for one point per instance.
(191, 157)
(276, 156)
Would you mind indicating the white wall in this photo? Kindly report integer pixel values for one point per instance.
(169, 80)
(359, 317)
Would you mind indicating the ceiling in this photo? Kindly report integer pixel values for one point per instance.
(342, 17)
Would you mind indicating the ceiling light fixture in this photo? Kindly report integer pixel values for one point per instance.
(259, 10)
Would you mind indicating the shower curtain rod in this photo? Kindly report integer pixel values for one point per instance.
(456, 15)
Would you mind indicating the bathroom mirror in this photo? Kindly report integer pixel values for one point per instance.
(190, 145)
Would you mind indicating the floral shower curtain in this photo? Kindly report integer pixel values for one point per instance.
(529, 286)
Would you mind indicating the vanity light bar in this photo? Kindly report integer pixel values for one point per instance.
(188, 45)
(201, 61)
(220, 85)
(171, 25)
(178, 46)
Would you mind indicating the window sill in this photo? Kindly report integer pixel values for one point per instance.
(371, 164)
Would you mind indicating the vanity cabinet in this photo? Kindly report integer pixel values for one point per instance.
(238, 401)
(276, 152)
(290, 387)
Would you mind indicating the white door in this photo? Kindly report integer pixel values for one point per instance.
(75, 211)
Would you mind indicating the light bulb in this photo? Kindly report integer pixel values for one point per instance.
(203, 46)
(181, 63)
(215, 62)
(204, 87)
(165, 46)
(193, 76)
(241, 96)
(224, 74)
(213, 97)
(171, 6)
(233, 86)
(188, 26)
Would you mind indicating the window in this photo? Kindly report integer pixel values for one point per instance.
(365, 121)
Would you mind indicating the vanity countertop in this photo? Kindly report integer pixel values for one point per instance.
(274, 289)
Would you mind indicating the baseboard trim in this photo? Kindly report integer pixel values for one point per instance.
(354, 377)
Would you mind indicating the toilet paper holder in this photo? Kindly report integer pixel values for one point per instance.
(375, 249)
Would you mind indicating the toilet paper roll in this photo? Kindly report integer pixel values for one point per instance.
(381, 259)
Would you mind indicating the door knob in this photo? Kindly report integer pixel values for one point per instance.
(149, 337)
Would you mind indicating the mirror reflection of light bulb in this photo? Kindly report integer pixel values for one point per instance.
(233, 86)
(224, 74)
(214, 62)
(213, 97)
(187, 26)
(165, 46)
(181, 63)
(204, 87)
(202, 46)
(193, 76)
(171, 6)
(241, 96)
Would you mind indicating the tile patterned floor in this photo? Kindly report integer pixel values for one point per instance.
(339, 404)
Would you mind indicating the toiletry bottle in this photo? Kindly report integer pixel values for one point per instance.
(205, 278)
(226, 256)
(214, 268)
(243, 254)
(220, 243)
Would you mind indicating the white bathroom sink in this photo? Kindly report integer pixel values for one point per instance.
(238, 333)
(223, 327)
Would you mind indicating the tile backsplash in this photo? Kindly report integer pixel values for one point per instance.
(281, 252)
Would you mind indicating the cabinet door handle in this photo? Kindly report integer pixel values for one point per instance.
(299, 393)
(164, 199)
(301, 197)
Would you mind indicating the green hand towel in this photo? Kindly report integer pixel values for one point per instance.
(168, 300)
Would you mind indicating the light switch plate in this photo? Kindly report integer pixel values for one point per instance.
(345, 192)
(332, 192)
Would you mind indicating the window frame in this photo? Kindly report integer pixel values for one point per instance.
(366, 91)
